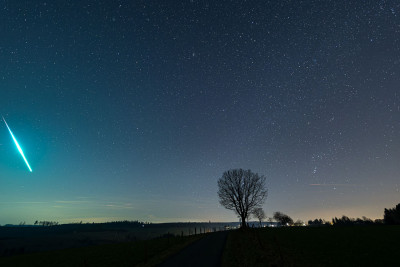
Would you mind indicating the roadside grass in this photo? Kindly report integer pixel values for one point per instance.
(314, 246)
(139, 253)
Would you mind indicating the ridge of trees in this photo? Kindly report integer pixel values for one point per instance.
(392, 216)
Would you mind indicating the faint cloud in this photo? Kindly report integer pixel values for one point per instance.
(25, 202)
(72, 201)
(119, 205)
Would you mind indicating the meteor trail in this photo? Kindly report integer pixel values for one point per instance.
(19, 148)
(332, 184)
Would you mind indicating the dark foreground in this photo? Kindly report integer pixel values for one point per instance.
(291, 246)
(314, 246)
(28, 239)
(205, 252)
(137, 253)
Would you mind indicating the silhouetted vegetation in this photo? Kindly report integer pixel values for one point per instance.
(392, 216)
(283, 219)
(318, 222)
(242, 191)
(344, 220)
(46, 223)
(298, 223)
(259, 214)
(128, 223)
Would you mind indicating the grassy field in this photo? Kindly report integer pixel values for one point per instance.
(29, 239)
(314, 246)
(291, 246)
(139, 253)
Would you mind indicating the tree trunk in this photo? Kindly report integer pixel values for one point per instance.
(244, 225)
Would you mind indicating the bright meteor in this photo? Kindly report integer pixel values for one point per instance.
(19, 148)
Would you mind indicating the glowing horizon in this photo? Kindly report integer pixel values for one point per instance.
(18, 146)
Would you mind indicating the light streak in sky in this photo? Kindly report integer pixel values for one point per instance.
(16, 143)
(332, 185)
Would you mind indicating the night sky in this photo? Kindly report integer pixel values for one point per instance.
(134, 109)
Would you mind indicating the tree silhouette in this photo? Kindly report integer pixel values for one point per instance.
(242, 191)
(343, 221)
(392, 216)
(282, 218)
(316, 222)
(298, 223)
(259, 214)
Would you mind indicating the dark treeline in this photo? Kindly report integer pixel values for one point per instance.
(344, 220)
(45, 223)
(318, 222)
(113, 223)
(351, 221)
(128, 223)
(391, 216)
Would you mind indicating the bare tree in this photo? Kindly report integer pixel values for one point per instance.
(282, 218)
(242, 191)
(259, 214)
(298, 223)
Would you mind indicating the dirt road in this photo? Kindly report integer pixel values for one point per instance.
(205, 252)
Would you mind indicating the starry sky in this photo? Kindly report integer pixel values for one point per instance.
(134, 109)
